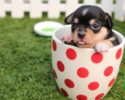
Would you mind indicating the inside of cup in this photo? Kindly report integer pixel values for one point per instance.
(119, 36)
(63, 32)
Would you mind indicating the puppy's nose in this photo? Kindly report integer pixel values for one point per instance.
(81, 33)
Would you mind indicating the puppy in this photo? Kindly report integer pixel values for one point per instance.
(91, 28)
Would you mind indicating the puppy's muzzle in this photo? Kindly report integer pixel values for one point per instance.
(81, 33)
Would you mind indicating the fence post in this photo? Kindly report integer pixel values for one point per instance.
(120, 10)
(35, 11)
(53, 8)
(71, 5)
(2, 12)
(17, 9)
(107, 6)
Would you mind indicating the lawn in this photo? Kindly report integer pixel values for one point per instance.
(25, 63)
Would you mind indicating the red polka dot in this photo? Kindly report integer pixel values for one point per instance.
(97, 57)
(69, 83)
(99, 96)
(118, 53)
(81, 97)
(93, 85)
(64, 92)
(108, 71)
(82, 72)
(60, 66)
(111, 82)
(54, 73)
(71, 53)
(54, 45)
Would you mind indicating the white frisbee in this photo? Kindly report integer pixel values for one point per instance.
(46, 28)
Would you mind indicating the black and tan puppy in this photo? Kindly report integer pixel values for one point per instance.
(91, 28)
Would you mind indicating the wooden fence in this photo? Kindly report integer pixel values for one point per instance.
(54, 8)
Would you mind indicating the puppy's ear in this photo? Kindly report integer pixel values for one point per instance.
(69, 19)
(109, 23)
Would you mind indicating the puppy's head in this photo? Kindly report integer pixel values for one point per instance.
(90, 24)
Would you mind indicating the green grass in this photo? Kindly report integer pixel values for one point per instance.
(25, 63)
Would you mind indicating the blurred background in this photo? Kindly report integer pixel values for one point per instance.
(57, 8)
(25, 57)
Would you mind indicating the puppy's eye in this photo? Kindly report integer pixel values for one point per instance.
(74, 24)
(95, 26)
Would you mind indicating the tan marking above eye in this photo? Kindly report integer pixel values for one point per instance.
(76, 20)
(92, 21)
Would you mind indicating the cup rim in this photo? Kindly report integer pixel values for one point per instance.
(118, 34)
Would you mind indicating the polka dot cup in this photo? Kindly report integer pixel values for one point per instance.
(83, 74)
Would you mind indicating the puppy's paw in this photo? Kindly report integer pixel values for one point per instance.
(66, 38)
(101, 47)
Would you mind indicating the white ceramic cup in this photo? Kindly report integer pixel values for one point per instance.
(82, 73)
